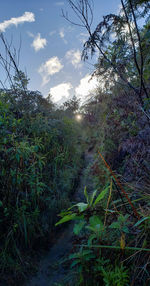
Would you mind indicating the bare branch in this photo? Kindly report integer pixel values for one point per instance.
(12, 61)
(83, 9)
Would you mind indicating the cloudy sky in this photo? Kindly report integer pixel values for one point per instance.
(50, 46)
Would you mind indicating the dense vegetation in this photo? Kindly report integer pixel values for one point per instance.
(113, 222)
(40, 158)
(40, 161)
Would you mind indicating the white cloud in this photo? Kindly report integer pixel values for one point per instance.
(49, 68)
(31, 35)
(39, 43)
(60, 93)
(26, 17)
(86, 87)
(74, 57)
(62, 33)
(60, 3)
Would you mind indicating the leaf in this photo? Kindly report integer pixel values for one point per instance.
(78, 227)
(125, 229)
(82, 207)
(17, 157)
(86, 194)
(86, 252)
(1, 203)
(96, 225)
(66, 218)
(95, 220)
(141, 220)
(115, 225)
(64, 213)
(101, 196)
(74, 263)
(123, 218)
(91, 237)
(91, 228)
(92, 197)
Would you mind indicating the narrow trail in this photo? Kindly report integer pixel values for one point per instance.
(50, 271)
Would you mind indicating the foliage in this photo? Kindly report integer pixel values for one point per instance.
(40, 161)
(40, 157)
(117, 119)
(117, 277)
(92, 265)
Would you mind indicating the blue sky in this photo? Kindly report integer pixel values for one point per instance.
(50, 46)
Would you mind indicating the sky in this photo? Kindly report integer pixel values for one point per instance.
(51, 47)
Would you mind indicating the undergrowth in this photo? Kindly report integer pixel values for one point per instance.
(111, 245)
(40, 162)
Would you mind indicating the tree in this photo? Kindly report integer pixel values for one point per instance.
(20, 80)
(72, 105)
(118, 41)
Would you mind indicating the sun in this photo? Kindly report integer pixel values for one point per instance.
(78, 117)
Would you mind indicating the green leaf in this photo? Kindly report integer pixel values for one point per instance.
(66, 218)
(141, 220)
(125, 229)
(78, 227)
(91, 228)
(91, 237)
(74, 263)
(95, 220)
(82, 207)
(64, 213)
(86, 252)
(17, 157)
(92, 197)
(115, 225)
(101, 196)
(74, 255)
(86, 194)
(123, 218)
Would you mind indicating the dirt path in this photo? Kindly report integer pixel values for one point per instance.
(51, 272)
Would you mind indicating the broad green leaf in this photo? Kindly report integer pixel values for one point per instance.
(90, 228)
(66, 218)
(123, 218)
(125, 229)
(95, 220)
(115, 225)
(78, 227)
(101, 196)
(82, 207)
